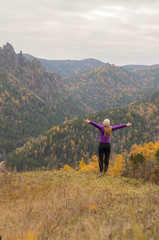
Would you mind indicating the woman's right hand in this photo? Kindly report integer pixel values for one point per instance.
(87, 121)
(129, 124)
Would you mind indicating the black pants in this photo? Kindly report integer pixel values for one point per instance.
(104, 149)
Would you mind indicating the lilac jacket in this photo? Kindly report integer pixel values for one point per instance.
(101, 128)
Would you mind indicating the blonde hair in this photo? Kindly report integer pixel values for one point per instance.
(107, 131)
(106, 122)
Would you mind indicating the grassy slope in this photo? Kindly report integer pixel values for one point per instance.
(76, 205)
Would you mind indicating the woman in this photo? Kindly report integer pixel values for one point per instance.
(104, 140)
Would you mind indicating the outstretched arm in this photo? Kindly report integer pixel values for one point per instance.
(121, 126)
(93, 123)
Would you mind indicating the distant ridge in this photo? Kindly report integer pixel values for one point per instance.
(103, 85)
(68, 67)
(138, 67)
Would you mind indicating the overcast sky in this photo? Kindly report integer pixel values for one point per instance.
(116, 31)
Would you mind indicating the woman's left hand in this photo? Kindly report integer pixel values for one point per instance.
(87, 121)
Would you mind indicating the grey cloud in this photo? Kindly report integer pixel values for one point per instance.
(60, 29)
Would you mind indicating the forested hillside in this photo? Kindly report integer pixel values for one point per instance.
(24, 115)
(48, 86)
(31, 100)
(148, 78)
(148, 108)
(69, 142)
(103, 87)
(110, 86)
(67, 67)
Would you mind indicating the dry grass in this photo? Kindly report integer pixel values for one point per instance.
(77, 205)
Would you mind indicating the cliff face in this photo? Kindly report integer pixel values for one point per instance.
(48, 86)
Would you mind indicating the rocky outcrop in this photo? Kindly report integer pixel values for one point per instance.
(48, 86)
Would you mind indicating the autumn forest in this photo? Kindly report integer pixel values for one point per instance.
(43, 106)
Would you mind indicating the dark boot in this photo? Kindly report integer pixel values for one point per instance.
(106, 169)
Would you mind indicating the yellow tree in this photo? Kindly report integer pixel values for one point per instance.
(67, 168)
(92, 166)
(119, 166)
(81, 164)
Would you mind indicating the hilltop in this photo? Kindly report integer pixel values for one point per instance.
(77, 205)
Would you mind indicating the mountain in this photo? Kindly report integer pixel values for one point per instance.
(67, 67)
(108, 86)
(31, 100)
(104, 87)
(111, 86)
(68, 142)
(48, 86)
